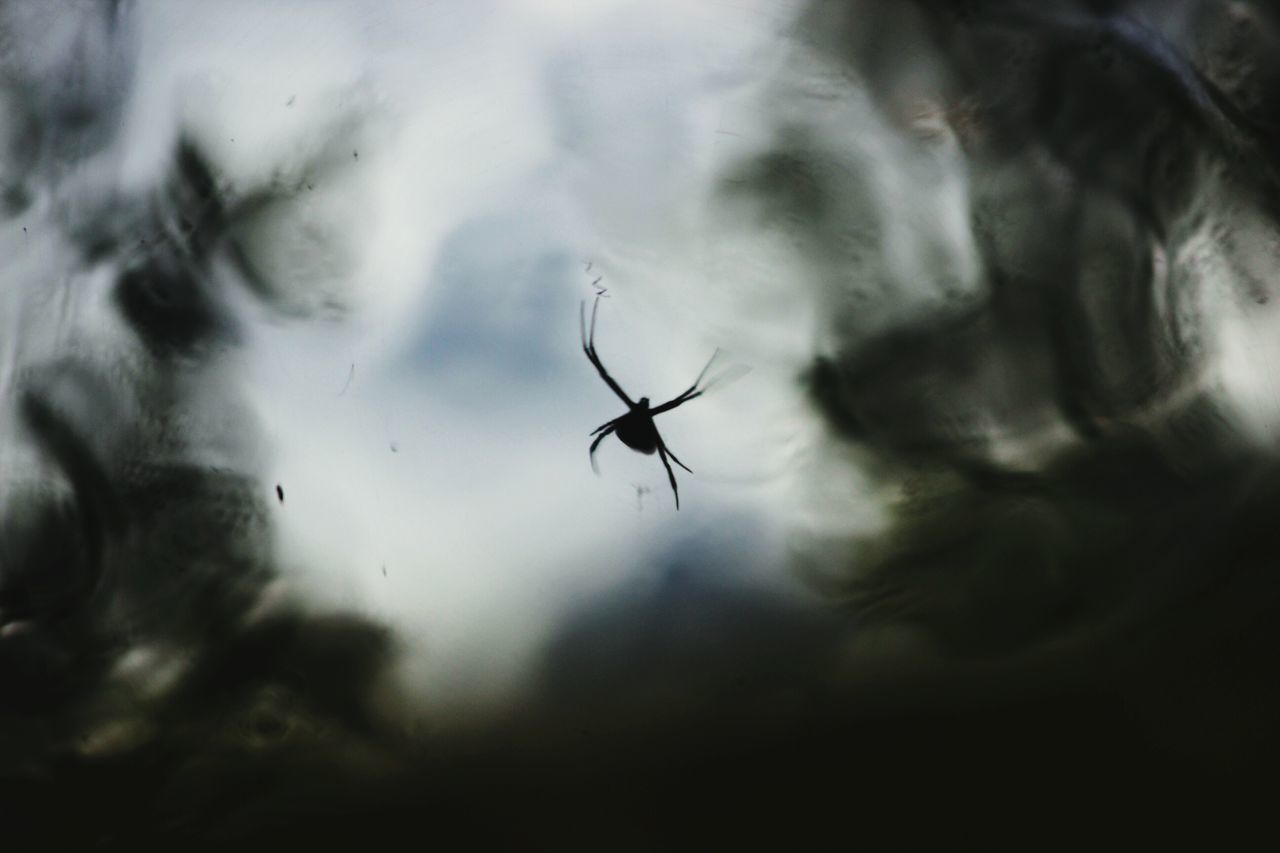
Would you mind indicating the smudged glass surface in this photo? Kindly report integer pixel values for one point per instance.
(299, 536)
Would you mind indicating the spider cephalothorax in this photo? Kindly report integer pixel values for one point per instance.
(636, 428)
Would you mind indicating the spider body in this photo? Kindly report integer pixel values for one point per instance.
(636, 428)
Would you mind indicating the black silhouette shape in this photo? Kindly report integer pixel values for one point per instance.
(636, 428)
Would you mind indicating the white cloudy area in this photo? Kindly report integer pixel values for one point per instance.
(423, 401)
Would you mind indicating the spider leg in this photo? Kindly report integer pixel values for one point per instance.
(673, 403)
(589, 347)
(612, 423)
(690, 392)
(705, 368)
(608, 428)
(671, 475)
(663, 445)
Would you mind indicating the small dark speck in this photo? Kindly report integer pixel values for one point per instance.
(355, 154)
(310, 187)
(395, 448)
(289, 102)
(1262, 300)
(384, 570)
(280, 493)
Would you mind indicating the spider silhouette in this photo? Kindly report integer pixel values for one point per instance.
(636, 428)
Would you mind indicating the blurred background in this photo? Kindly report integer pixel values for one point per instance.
(298, 534)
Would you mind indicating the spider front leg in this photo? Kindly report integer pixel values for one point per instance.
(589, 347)
(690, 392)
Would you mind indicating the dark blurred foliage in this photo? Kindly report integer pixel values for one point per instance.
(1126, 541)
(144, 658)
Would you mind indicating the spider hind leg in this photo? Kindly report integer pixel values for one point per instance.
(667, 450)
(671, 475)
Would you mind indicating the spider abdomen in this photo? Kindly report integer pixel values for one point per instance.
(639, 434)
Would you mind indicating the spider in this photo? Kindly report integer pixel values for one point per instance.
(636, 428)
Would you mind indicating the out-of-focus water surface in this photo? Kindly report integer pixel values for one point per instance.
(298, 534)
